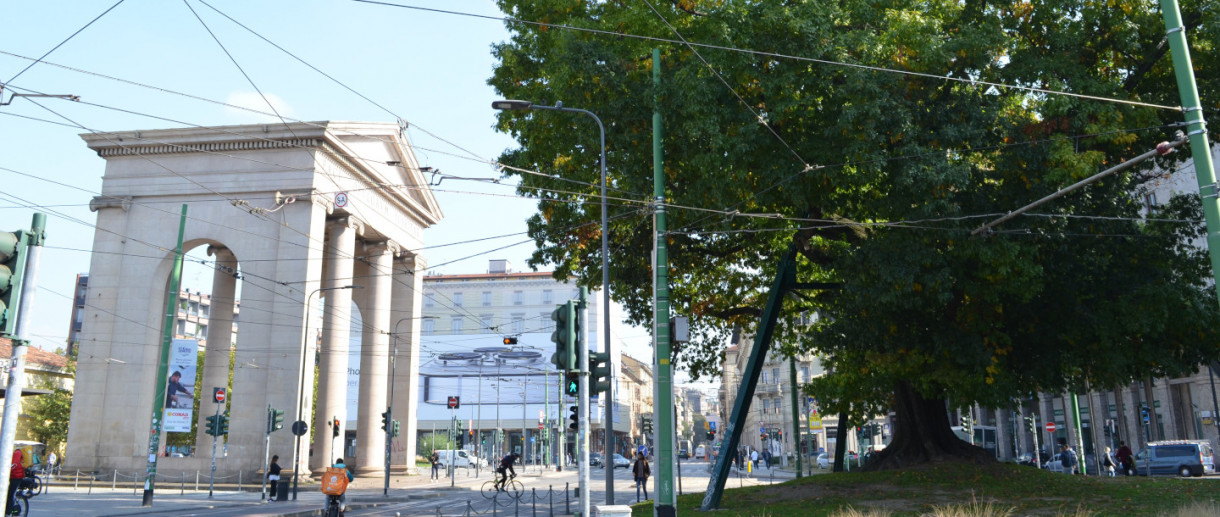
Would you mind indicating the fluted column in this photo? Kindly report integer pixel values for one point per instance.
(219, 337)
(374, 358)
(336, 330)
(408, 288)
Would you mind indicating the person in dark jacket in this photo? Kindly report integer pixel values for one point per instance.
(640, 472)
(273, 476)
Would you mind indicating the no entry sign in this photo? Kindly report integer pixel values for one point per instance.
(1050, 427)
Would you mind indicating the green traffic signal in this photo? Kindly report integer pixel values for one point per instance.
(385, 417)
(564, 336)
(223, 424)
(395, 431)
(571, 384)
(277, 420)
(211, 426)
(574, 418)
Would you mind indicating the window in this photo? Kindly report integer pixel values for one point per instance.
(181, 327)
(428, 301)
(487, 298)
(804, 374)
(457, 299)
(205, 310)
(518, 297)
(766, 406)
(429, 326)
(775, 375)
(546, 296)
(1150, 203)
(486, 320)
(455, 325)
(764, 378)
(203, 332)
(518, 324)
(194, 308)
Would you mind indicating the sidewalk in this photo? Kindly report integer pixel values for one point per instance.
(171, 499)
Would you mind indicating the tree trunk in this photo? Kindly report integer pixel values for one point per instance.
(922, 435)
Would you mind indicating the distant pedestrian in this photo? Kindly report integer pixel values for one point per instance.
(1067, 458)
(754, 458)
(435, 460)
(641, 472)
(1125, 460)
(1108, 463)
(273, 477)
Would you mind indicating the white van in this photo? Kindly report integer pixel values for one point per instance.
(459, 458)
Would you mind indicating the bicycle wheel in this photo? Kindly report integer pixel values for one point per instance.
(36, 487)
(514, 488)
(23, 506)
(489, 489)
(332, 509)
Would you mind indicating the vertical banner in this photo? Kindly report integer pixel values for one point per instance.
(180, 390)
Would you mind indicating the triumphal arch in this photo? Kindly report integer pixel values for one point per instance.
(297, 220)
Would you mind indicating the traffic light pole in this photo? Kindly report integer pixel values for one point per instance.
(267, 451)
(582, 431)
(215, 438)
(26, 273)
(666, 500)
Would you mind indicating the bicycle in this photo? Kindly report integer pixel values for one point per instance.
(31, 486)
(333, 508)
(21, 504)
(512, 487)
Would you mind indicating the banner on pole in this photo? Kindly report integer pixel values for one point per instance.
(180, 390)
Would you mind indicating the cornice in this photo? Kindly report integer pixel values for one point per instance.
(208, 147)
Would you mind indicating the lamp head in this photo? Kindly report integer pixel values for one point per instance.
(511, 105)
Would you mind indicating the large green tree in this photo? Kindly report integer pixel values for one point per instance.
(867, 135)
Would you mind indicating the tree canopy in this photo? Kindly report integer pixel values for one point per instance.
(874, 136)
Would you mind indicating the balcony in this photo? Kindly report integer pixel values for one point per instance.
(767, 389)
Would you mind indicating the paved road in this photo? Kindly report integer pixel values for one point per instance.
(409, 495)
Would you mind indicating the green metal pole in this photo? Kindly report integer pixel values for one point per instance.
(796, 415)
(167, 338)
(666, 500)
(1079, 436)
(1196, 128)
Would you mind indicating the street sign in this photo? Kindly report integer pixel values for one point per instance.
(341, 199)
(539, 426)
(455, 402)
(712, 425)
(218, 394)
(1050, 427)
(299, 428)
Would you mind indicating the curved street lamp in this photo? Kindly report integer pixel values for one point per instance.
(296, 451)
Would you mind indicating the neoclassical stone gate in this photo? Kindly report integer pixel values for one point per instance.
(293, 209)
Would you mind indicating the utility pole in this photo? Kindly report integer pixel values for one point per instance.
(582, 431)
(666, 499)
(167, 337)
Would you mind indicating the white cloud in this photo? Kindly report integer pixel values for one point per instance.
(253, 101)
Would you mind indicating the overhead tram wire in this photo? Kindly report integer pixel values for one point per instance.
(774, 55)
(56, 47)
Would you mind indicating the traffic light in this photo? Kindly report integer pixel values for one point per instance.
(334, 427)
(571, 384)
(461, 439)
(779, 435)
(1033, 427)
(564, 337)
(866, 432)
(968, 425)
(599, 373)
(13, 246)
(223, 424)
(212, 426)
(395, 431)
(275, 419)
(385, 420)
(711, 435)
(648, 424)
(1144, 413)
(574, 418)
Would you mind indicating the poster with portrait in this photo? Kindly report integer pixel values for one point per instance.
(180, 387)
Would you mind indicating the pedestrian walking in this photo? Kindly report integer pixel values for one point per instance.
(1108, 463)
(435, 460)
(1067, 458)
(1125, 460)
(641, 472)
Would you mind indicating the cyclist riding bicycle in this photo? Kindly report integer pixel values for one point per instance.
(506, 465)
(334, 483)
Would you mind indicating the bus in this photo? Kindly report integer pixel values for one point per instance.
(684, 449)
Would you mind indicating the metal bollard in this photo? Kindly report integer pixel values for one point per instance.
(516, 507)
(76, 482)
(91, 476)
(551, 492)
(567, 498)
(114, 479)
(239, 481)
(495, 505)
(534, 494)
(182, 483)
(196, 480)
(469, 509)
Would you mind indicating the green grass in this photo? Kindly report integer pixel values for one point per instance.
(954, 489)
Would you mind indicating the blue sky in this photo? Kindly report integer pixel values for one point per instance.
(152, 64)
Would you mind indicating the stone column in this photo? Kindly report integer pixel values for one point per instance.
(219, 338)
(374, 359)
(408, 289)
(1003, 434)
(336, 329)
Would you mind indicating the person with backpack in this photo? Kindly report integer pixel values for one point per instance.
(334, 482)
(1067, 458)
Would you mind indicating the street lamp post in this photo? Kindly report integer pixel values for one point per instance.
(519, 105)
(389, 412)
(296, 452)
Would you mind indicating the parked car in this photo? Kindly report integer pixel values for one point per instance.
(1177, 457)
(1026, 459)
(823, 461)
(460, 458)
(1055, 464)
(620, 461)
(595, 460)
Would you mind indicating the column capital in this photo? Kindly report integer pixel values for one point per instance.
(348, 221)
(386, 247)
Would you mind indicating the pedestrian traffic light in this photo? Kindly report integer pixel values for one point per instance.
(574, 418)
(13, 251)
(385, 420)
(212, 426)
(223, 424)
(564, 336)
(334, 427)
(395, 431)
(711, 435)
(599, 373)
(571, 384)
